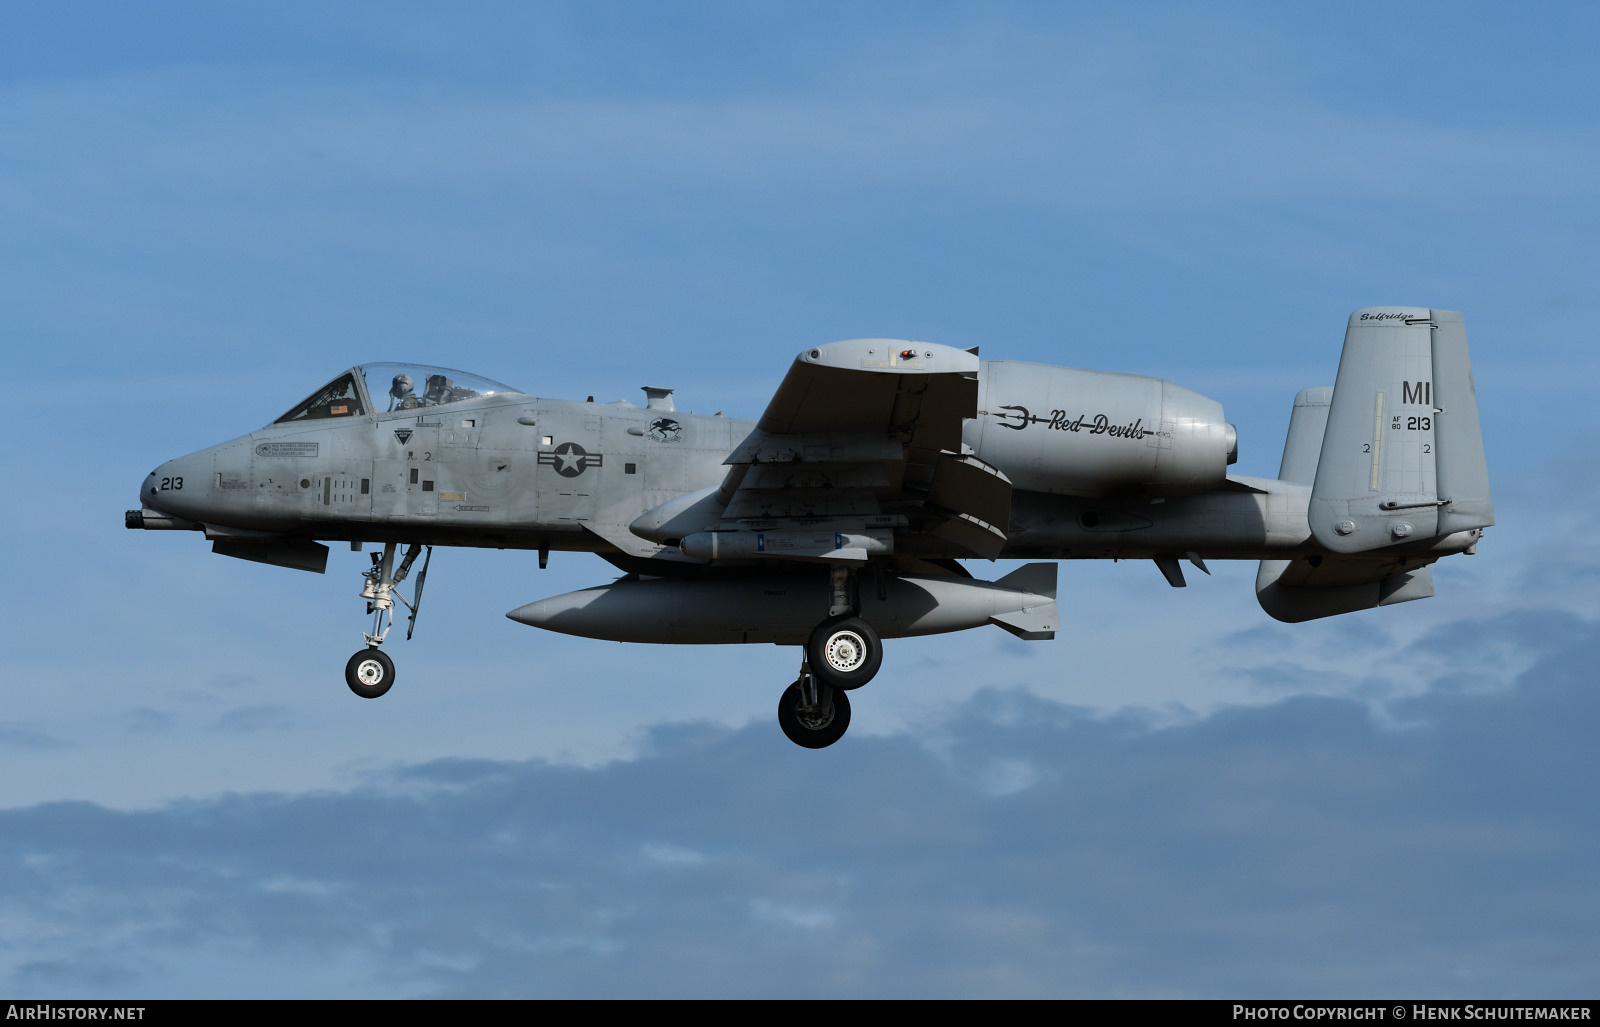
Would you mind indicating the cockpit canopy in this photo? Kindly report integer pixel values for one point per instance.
(383, 387)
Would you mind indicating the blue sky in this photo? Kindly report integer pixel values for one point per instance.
(207, 210)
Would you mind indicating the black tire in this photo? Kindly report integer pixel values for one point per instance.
(369, 673)
(844, 652)
(809, 730)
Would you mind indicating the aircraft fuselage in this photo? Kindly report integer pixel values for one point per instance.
(513, 471)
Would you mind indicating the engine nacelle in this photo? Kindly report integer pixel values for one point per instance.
(1099, 434)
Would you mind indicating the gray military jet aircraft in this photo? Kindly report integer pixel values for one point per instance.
(840, 517)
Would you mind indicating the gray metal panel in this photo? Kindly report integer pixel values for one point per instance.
(1463, 473)
(295, 554)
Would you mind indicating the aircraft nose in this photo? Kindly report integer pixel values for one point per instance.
(172, 487)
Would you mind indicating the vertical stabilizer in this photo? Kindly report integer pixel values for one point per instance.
(1376, 484)
(1302, 448)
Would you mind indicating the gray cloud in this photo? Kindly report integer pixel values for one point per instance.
(251, 719)
(144, 719)
(20, 736)
(1023, 848)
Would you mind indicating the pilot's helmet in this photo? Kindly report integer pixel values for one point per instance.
(401, 386)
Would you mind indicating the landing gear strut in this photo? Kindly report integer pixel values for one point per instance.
(812, 714)
(370, 672)
(844, 652)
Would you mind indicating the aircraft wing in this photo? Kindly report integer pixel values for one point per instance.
(866, 435)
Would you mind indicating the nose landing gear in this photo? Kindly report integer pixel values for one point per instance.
(370, 672)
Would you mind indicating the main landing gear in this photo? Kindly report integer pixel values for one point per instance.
(843, 653)
(370, 672)
(813, 715)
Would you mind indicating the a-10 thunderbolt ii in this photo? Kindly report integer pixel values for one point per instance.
(841, 516)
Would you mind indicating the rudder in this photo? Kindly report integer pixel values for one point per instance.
(1461, 470)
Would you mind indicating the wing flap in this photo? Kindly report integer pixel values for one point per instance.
(966, 485)
(977, 537)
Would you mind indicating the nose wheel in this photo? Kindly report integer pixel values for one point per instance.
(369, 673)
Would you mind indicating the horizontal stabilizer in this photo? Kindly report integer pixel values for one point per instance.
(1295, 590)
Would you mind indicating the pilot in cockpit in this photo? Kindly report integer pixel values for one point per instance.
(402, 396)
(441, 390)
